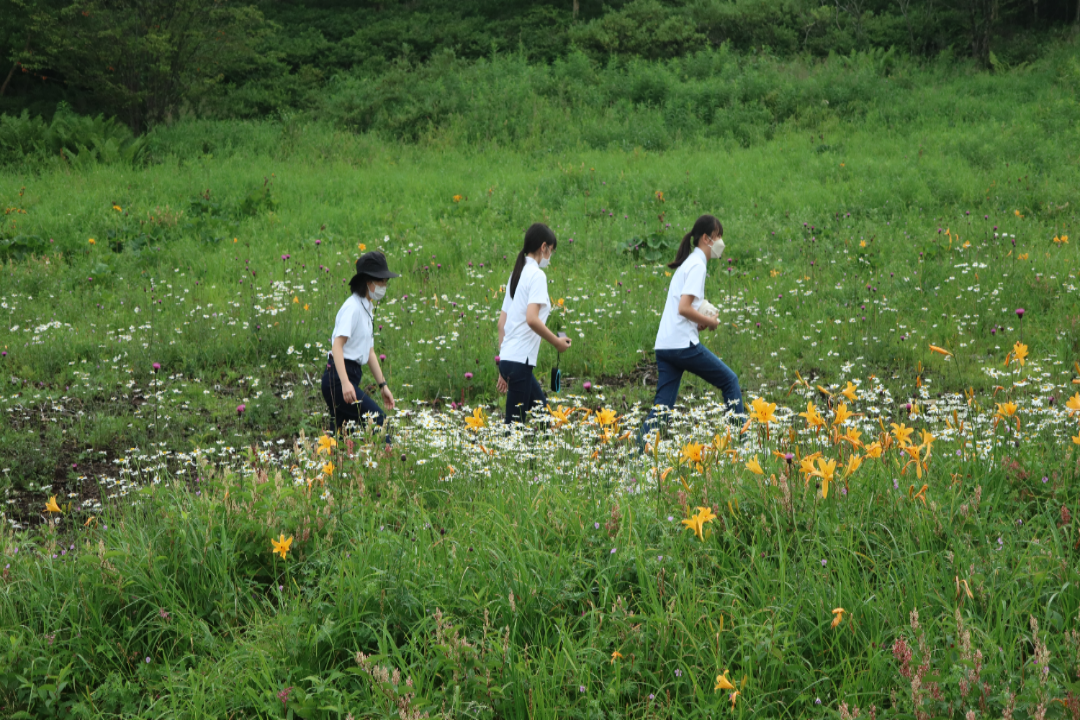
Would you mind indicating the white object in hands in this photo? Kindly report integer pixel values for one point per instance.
(708, 309)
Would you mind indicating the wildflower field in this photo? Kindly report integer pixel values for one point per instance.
(892, 533)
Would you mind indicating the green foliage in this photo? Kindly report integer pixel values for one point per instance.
(142, 59)
(76, 139)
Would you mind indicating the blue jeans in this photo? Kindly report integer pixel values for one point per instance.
(335, 398)
(698, 359)
(523, 390)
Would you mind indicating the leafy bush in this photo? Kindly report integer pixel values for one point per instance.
(77, 139)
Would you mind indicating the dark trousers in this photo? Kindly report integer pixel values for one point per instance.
(523, 390)
(698, 359)
(341, 411)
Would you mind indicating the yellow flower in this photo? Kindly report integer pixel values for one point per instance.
(477, 420)
(117, 208)
(616, 655)
(691, 452)
(755, 467)
(812, 417)
(561, 416)
(697, 522)
(940, 350)
(296, 300)
(853, 464)
(362, 247)
(325, 444)
(850, 392)
(605, 417)
(306, 306)
(693, 523)
(842, 415)
(1076, 439)
(281, 545)
(660, 195)
(839, 615)
(51, 506)
(1006, 409)
(927, 439)
(825, 471)
(1073, 404)
(762, 411)
(862, 243)
(852, 436)
(328, 468)
(902, 433)
(806, 465)
(92, 242)
(921, 495)
(1017, 213)
(722, 682)
(457, 199)
(873, 450)
(1020, 352)
(732, 697)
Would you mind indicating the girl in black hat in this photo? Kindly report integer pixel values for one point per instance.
(353, 344)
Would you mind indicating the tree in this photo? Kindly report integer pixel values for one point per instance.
(142, 59)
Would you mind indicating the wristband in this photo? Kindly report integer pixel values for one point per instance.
(382, 384)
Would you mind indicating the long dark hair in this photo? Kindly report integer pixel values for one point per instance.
(535, 236)
(704, 225)
(358, 284)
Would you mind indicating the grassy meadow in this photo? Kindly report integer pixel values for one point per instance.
(927, 567)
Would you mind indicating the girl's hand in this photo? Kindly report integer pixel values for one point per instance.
(388, 397)
(562, 344)
(348, 392)
(501, 385)
(714, 323)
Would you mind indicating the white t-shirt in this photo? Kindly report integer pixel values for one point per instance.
(676, 332)
(354, 322)
(520, 343)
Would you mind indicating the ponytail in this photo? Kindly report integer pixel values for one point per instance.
(535, 237)
(704, 225)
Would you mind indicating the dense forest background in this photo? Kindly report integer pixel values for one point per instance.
(355, 61)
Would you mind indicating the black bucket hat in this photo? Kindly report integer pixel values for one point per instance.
(373, 264)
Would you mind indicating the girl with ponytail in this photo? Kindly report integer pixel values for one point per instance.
(678, 348)
(525, 309)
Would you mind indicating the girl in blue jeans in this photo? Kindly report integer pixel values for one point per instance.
(525, 309)
(678, 348)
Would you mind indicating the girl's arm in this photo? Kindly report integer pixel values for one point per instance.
(532, 317)
(502, 327)
(373, 365)
(686, 309)
(338, 351)
(500, 384)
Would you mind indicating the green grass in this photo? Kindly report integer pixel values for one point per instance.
(184, 576)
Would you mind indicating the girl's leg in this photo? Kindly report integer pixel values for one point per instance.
(365, 408)
(712, 369)
(335, 401)
(669, 377)
(537, 398)
(519, 390)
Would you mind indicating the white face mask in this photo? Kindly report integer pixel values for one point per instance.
(717, 249)
(544, 262)
(377, 292)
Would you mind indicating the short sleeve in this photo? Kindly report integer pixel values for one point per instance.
(538, 293)
(345, 322)
(694, 282)
(507, 300)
